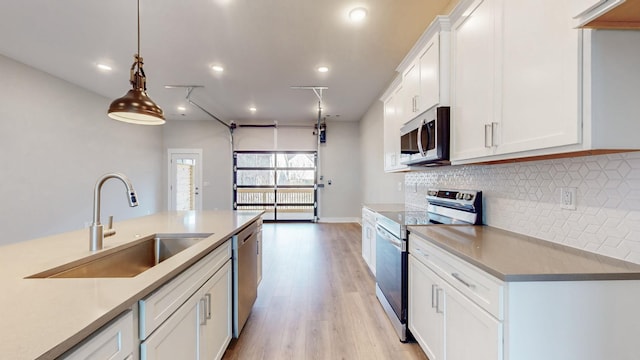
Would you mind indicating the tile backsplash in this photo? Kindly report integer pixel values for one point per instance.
(525, 198)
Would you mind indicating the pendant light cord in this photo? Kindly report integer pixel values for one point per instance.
(138, 27)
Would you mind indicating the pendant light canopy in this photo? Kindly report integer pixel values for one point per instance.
(135, 106)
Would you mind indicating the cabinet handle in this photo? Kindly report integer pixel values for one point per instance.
(487, 136)
(419, 251)
(457, 277)
(207, 296)
(203, 312)
(494, 127)
(438, 310)
(434, 289)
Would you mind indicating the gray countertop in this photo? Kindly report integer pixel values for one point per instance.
(515, 257)
(42, 318)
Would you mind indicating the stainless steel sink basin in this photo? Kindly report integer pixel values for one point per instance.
(127, 260)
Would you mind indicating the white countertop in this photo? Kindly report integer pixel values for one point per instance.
(42, 318)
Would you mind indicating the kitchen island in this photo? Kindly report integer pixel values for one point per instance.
(43, 318)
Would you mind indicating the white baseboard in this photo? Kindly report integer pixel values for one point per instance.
(339, 220)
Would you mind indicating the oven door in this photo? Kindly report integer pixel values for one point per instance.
(390, 274)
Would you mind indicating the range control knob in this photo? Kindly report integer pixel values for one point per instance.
(468, 196)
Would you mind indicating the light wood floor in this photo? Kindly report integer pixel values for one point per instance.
(317, 300)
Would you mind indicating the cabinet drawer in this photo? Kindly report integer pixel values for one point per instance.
(481, 288)
(368, 216)
(113, 341)
(157, 307)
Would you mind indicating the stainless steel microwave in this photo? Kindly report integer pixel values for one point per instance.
(425, 139)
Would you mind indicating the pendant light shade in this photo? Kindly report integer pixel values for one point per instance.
(135, 106)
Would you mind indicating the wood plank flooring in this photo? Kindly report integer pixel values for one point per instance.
(317, 300)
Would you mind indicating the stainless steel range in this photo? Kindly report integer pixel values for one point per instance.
(444, 207)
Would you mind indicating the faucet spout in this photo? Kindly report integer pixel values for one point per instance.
(96, 228)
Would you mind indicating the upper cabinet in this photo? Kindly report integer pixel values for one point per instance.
(606, 14)
(523, 83)
(425, 70)
(422, 83)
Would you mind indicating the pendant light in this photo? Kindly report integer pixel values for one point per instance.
(135, 106)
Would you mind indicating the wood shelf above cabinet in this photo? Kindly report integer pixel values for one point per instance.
(625, 16)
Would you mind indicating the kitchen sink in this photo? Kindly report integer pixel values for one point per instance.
(127, 260)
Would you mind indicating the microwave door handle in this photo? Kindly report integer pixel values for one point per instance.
(420, 148)
(426, 149)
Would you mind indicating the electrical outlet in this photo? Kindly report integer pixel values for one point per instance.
(399, 185)
(568, 198)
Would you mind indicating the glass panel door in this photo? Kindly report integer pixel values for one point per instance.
(184, 180)
(281, 183)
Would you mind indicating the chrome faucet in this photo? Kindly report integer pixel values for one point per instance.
(96, 228)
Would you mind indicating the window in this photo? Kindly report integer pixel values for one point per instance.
(283, 183)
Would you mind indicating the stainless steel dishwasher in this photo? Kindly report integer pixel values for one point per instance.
(245, 275)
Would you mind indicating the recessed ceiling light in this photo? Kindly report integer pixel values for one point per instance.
(104, 67)
(358, 14)
(217, 68)
(323, 69)
(253, 109)
(181, 108)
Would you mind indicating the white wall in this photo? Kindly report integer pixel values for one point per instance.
(56, 140)
(213, 138)
(340, 163)
(377, 187)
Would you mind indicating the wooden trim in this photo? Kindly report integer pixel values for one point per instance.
(556, 156)
(625, 16)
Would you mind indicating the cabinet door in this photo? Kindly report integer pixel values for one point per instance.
(540, 77)
(475, 86)
(411, 92)
(471, 333)
(216, 316)
(426, 320)
(114, 342)
(393, 114)
(177, 337)
(429, 62)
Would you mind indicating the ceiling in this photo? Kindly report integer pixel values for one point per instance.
(265, 47)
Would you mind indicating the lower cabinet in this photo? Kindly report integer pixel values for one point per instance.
(216, 316)
(471, 332)
(190, 317)
(458, 311)
(445, 321)
(369, 239)
(426, 309)
(115, 341)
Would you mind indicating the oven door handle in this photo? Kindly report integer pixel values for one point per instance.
(385, 235)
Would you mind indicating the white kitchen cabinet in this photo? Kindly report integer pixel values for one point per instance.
(190, 317)
(369, 239)
(489, 319)
(471, 332)
(216, 316)
(423, 82)
(426, 309)
(426, 70)
(393, 115)
(177, 337)
(444, 315)
(523, 90)
(114, 341)
(475, 86)
(515, 82)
